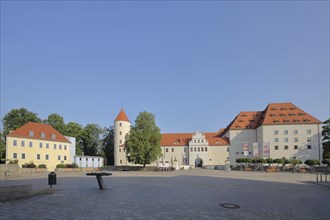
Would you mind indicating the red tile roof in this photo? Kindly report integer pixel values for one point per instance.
(182, 139)
(122, 116)
(274, 114)
(24, 132)
(286, 113)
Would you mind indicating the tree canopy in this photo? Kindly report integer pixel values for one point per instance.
(326, 139)
(107, 150)
(17, 118)
(56, 121)
(143, 141)
(90, 139)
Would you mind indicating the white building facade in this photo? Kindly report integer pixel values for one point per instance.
(282, 130)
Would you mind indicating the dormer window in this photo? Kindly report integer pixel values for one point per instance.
(244, 115)
(273, 109)
(276, 121)
(286, 121)
(31, 133)
(272, 115)
(283, 109)
(53, 136)
(292, 108)
(301, 114)
(283, 115)
(42, 135)
(306, 120)
(240, 121)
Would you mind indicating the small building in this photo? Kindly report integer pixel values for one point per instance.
(89, 161)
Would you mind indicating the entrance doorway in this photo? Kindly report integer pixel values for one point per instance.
(199, 162)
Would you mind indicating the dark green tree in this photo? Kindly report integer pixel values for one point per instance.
(74, 129)
(108, 145)
(2, 148)
(17, 118)
(90, 139)
(56, 121)
(143, 141)
(326, 139)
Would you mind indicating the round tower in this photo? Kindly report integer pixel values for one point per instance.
(122, 126)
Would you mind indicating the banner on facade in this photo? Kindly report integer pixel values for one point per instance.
(266, 150)
(255, 149)
(246, 148)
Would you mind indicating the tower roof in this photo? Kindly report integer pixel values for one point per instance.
(122, 116)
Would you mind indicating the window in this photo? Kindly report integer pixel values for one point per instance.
(64, 147)
(276, 147)
(120, 124)
(31, 133)
(205, 148)
(276, 132)
(22, 143)
(172, 150)
(227, 149)
(59, 157)
(286, 132)
(120, 161)
(120, 141)
(202, 148)
(64, 157)
(40, 145)
(60, 146)
(23, 156)
(15, 142)
(286, 139)
(195, 149)
(276, 140)
(286, 147)
(309, 147)
(47, 157)
(309, 131)
(119, 150)
(47, 145)
(54, 146)
(38, 156)
(309, 139)
(295, 139)
(296, 147)
(199, 149)
(166, 149)
(295, 132)
(15, 155)
(30, 144)
(191, 149)
(53, 136)
(120, 132)
(184, 150)
(42, 135)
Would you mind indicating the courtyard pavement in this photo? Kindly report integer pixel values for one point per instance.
(186, 194)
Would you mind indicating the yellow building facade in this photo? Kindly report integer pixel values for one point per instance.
(39, 144)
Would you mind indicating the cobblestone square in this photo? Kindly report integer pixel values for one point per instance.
(195, 194)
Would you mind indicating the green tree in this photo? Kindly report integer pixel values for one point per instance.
(2, 148)
(108, 145)
(56, 121)
(143, 141)
(17, 118)
(74, 129)
(326, 139)
(90, 139)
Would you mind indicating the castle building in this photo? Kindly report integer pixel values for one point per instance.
(40, 144)
(281, 130)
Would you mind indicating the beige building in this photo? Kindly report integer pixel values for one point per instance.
(38, 143)
(281, 130)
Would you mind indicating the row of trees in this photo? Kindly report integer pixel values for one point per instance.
(142, 143)
(91, 139)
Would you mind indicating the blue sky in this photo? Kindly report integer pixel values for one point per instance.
(194, 64)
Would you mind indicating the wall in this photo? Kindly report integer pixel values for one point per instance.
(32, 152)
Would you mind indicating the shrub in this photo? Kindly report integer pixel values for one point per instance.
(13, 162)
(278, 160)
(254, 161)
(326, 161)
(30, 165)
(269, 160)
(312, 162)
(261, 160)
(61, 165)
(285, 161)
(71, 165)
(295, 162)
(239, 160)
(42, 166)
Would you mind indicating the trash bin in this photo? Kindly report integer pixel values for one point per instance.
(52, 179)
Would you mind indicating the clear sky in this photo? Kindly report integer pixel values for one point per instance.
(194, 64)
